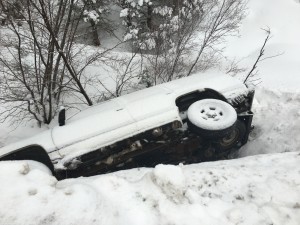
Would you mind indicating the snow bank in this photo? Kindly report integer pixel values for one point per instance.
(277, 123)
(254, 190)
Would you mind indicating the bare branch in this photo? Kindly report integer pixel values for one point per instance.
(261, 54)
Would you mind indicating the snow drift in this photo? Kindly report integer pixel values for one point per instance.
(253, 190)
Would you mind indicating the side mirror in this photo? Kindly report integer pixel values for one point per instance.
(62, 116)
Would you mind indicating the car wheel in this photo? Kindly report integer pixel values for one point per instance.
(211, 118)
(232, 139)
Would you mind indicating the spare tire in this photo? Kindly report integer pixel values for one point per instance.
(211, 118)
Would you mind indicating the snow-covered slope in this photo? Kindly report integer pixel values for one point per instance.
(277, 99)
(276, 121)
(256, 190)
(282, 17)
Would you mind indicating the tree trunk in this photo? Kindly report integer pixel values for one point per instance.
(176, 5)
(149, 17)
(96, 39)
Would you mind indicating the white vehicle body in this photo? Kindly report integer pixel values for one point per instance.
(125, 116)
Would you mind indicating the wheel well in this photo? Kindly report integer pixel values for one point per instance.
(184, 101)
(33, 152)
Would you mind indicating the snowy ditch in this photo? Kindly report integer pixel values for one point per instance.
(253, 190)
(261, 189)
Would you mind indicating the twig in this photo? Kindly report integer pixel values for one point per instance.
(261, 53)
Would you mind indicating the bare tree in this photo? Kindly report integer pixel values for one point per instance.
(96, 13)
(220, 19)
(188, 36)
(127, 73)
(39, 60)
(252, 74)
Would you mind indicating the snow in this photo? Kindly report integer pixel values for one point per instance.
(276, 121)
(141, 2)
(163, 11)
(124, 12)
(211, 114)
(254, 190)
(92, 15)
(282, 17)
(250, 191)
(277, 98)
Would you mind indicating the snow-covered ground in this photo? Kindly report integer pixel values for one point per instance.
(257, 190)
(276, 121)
(260, 189)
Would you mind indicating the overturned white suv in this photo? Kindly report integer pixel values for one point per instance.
(198, 118)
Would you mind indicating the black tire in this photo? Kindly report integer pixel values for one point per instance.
(198, 126)
(210, 134)
(33, 152)
(233, 139)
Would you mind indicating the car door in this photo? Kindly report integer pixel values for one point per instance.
(94, 128)
(151, 107)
